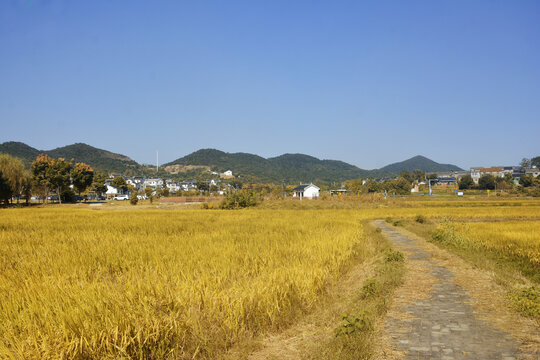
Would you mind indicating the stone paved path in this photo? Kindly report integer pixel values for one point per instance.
(442, 325)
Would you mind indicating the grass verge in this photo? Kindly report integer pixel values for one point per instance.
(355, 335)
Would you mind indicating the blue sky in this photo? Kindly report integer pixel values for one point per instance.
(369, 83)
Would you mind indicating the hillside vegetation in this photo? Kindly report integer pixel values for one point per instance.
(100, 160)
(286, 168)
(421, 163)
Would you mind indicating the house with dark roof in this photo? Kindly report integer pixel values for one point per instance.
(309, 191)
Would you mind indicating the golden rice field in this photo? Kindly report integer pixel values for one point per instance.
(161, 284)
(182, 284)
(513, 238)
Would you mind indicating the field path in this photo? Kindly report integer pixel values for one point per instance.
(433, 317)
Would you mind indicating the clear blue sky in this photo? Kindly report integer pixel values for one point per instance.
(365, 82)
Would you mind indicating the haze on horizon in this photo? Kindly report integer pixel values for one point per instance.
(366, 83)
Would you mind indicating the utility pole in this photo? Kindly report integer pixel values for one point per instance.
(157, 161)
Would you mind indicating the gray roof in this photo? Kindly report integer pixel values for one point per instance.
(303, 187)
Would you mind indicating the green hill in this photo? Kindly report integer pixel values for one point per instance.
(421, 163)
(100, 160)
(286, 168)
(18, 149)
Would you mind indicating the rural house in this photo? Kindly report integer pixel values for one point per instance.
(309, 191)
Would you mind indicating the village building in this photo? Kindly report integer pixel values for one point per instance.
(308, 191)
(153, 183)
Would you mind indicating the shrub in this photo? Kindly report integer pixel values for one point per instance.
(239, 199)
(369, 288)
(68, 196)
(420, 219)
(353, 323)
(536, 192)
(397, 223)
(133, 200)
(378, 230)
(388, 220)
(527, 301)
(394, 256)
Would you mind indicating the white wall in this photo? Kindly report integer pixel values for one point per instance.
(111, 190)
(311, 192)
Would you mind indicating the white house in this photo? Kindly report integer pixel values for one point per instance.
(111, 190)
(309, 191)
(153, 183)
(173, 186)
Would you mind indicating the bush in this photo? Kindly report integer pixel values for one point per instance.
(397, 223)
(68, 196)
(354, 323)
(536, 192)
(394, 256)
(369, 288)
(388, 220)
(240, 199)
(420, 219)
(527, 301)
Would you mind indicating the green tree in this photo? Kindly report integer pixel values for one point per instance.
(82, 176)
(418, 175)
(120, 183)
(59, 175)
(202, 185)
(466, 182)
(535, 161)
(27, 186)
(14, 172)
(40, 178)
(401, 186)
(526, 180)
(5, 189)
(525, 163)
(165, 192)
(486, 182)
(372, 186)
(354, 186)
(98, 184)
(407, 175)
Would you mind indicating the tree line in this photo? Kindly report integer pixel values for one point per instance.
(46, 175)
(402, 185)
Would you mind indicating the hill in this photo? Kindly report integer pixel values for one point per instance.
(421, 163)
(18, 149)
(286, 168)
(100, 160)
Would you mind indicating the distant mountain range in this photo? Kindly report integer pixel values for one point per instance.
(286, 168)
(421, 163)
(100, 160)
